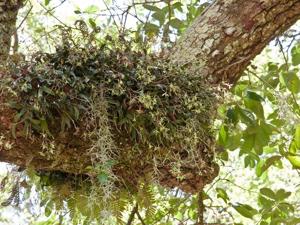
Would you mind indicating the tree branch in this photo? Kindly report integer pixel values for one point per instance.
(219, 45)
(200, 208)
(132, 214)
(221, 42)
(140, 217)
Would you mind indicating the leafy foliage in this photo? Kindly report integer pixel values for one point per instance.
(125, 104)
(259, 133)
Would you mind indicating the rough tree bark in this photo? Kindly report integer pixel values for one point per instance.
(220, 44)
(8, 17)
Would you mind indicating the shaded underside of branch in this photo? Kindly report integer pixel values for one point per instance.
(72, 156)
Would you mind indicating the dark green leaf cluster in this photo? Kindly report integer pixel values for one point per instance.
(150, 103)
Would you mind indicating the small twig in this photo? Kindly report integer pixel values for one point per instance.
(16, 43)
(285, 56)
(111, 15)
(27, 14)
(245, 189)
(16, 37)
(200, 208)
(140, 218)
(125, 17)
(286, 59)
(132, 214)
(55, 7)
(170, 209)
(261, 79)
(135, 15)
(55, 17)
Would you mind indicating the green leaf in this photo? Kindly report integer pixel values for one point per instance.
(248, 143)
(293, 148)
(151, 7)
(294, 160)
(286, 208)
(259, 166)
(232, 115)
(268, 193)
(92, 23)
(262, 136)
(47, 2)
(269, 162)
(178, 6)
(254, 96)
(47, 90)
(44, 126)
(160, 16)
(291, 81)
(296, 55)
(240, 88)
(92, 9)
(224, 155)
(267, 203)
(102, 178)
(76, 113)
(246, 116)
(253, 102)
(176, 23)
(272, 67)
(297, 136)
(255, 106)
(249, 161)
(151, 29)
(263, 223)
(40, 93)
(293, 221)
(234, 141)
(48, 208)
(19, 115)
(109, 163)
(222, 194)
(245, 210)
(257, 137)
(223, 135)
(281, 194)
(64, 122)
(14, 105)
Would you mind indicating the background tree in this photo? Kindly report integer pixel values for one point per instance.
(217, 47)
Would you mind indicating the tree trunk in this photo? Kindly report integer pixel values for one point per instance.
(8, 17)
(220, 44)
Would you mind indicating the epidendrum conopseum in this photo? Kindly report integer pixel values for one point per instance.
(218, 46)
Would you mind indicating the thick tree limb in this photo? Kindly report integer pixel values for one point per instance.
(220, 44)
(72, 156)
(230, 33)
